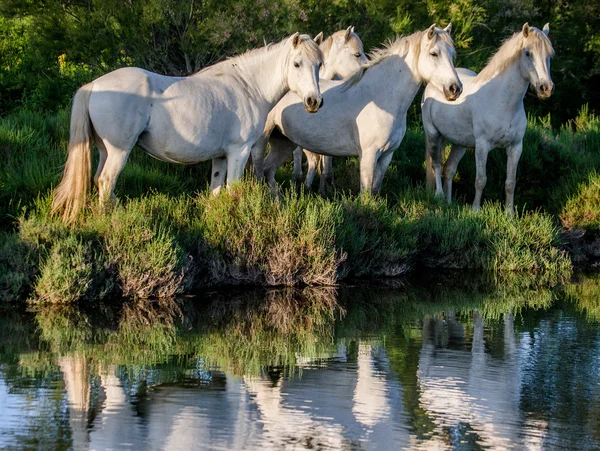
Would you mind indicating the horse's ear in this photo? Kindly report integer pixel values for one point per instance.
(431, 31)
(448, 28)
(526, 29)
(546, 29)
(296, 39)
(348, 33)
(319, 38)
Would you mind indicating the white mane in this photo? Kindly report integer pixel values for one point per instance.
(396, 47)
(307, 46)
(510, 51)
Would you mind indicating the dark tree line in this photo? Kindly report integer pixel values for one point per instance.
(50, 47)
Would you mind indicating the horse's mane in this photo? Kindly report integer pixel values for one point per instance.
(400, 46)
(510, 50)
(308, 46)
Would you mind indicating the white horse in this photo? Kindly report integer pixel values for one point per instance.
(343, 55)
(219, 112)
(364, 115)
(490, 113)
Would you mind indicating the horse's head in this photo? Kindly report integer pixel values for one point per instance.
(343, 54)
(535, 59)
(435, 61)
(302, 68)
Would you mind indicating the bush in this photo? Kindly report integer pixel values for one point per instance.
(582, 209)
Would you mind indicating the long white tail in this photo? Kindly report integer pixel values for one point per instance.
(70, 195)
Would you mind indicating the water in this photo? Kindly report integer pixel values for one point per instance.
(358, 368)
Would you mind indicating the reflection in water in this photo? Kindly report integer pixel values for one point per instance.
(392, 369)
(471, 388)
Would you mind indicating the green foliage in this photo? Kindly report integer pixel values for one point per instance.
(156, 247)
(278, 243)
(48, 49)
(18, 266)
(582, 209)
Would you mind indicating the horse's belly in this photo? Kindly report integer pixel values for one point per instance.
(457, 132)
(318, 133)
(178, 150)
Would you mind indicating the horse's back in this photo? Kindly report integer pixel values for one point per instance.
(467, 73)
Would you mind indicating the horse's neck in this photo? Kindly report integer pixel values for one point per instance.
(262, 74)
(510, 85)
(394, 82)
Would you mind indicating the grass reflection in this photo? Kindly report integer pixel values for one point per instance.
(244, 333)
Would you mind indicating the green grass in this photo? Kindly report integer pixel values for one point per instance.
(581, 210)
(158, 246)
(169, 236)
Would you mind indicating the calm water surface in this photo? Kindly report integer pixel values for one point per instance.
(357, 368)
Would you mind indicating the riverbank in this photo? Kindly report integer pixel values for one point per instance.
(168, 236)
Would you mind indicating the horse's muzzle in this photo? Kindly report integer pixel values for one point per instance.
(453, 91)
(545, 90)
(312, 104)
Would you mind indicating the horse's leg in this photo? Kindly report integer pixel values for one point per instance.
(101, 161)
(297, 173)
(433, 146)
(482, 149)
(368, 160)
(281, 149)
(326, 182)
(236, 161)
(259, 149)
(450, 168)
(114, 164)
(258, 156)
(513, 154)
(313, 163)
(380, 169)
(217, 175)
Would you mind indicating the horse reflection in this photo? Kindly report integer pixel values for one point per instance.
(471, 390)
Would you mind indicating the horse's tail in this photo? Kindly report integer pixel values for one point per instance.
(70, 195)
(429, 171)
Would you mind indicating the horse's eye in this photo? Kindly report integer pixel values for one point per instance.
(296, 65)
(527, 53)
(320, 65)
(434, 54)
(357, 55)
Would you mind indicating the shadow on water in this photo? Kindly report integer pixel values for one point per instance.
(369, 367)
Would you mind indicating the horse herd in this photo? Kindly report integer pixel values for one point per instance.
(323, 96)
